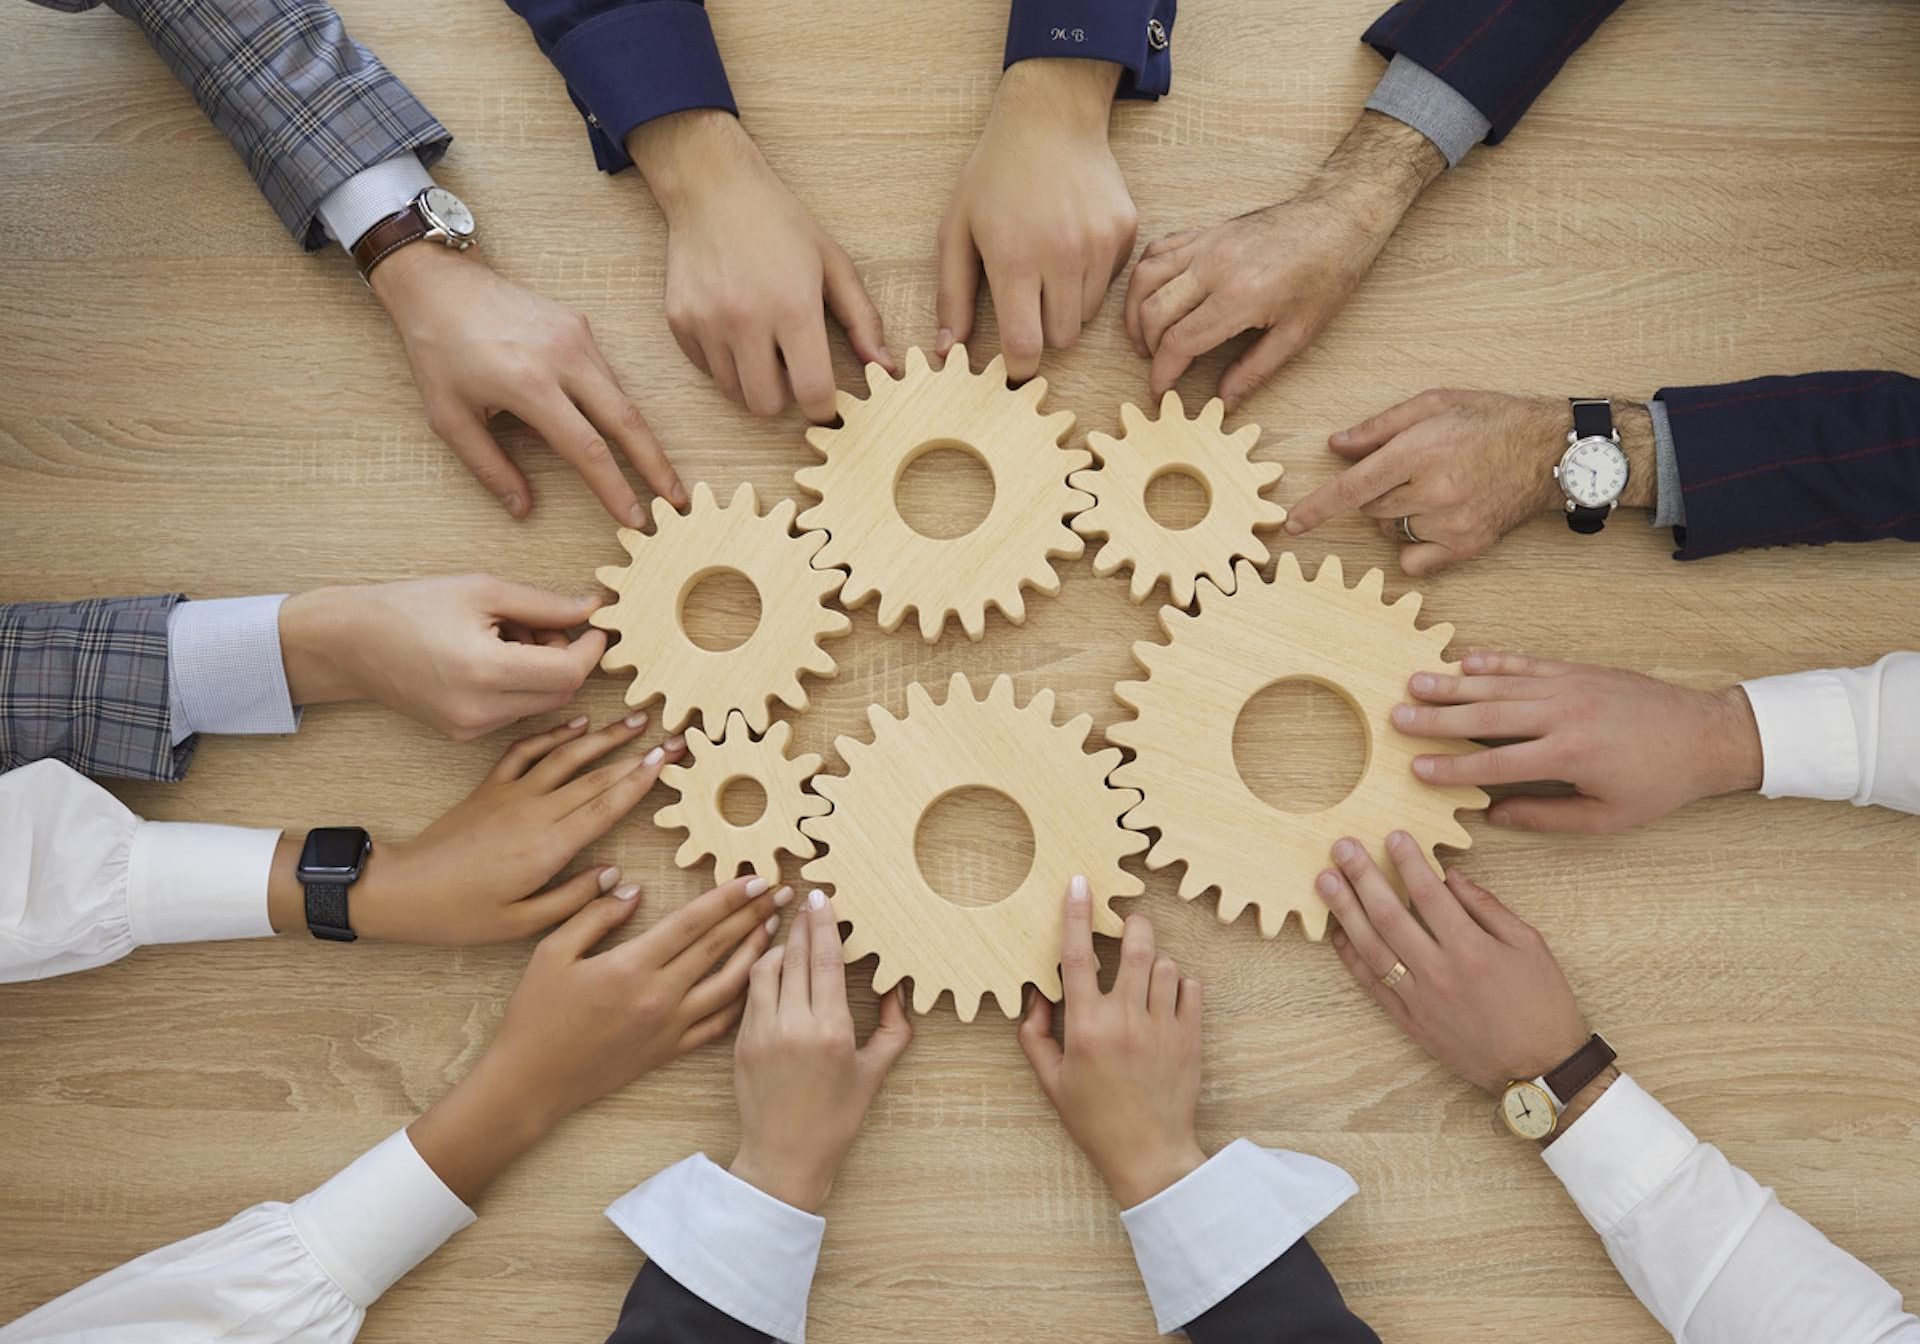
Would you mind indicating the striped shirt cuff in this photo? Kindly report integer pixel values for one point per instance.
(224, 669)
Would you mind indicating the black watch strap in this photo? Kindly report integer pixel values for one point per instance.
(1578, 1069)
(1592, 417)
(1587, 520)
(327, 912)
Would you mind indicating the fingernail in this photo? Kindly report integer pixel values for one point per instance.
(816, 899)
(627, 892)
(772, 924)
(1328, 884)
(1077, 889)
(757, 886)
(678, 493)
(1399, 838)
(1402, 716)
(1345, 850)
(1339, 938)
(886, 360)
(677, 742)
(512, 502)
(781, 897)
(1341, 436)
(654, 757)
(579, 722)
(1423, 766)
(608, 876)
(1422, 682)
(637, 516)
(1295, 527)
(636, 720)
(944, 341)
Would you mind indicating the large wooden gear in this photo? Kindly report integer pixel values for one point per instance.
(1236, 512)
(911, 764)
(712, 766)
(1182, 736)
(684, 549)
(1015, 544)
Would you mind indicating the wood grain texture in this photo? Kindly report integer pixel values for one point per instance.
(1711, 190)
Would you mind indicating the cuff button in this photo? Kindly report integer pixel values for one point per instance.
(1156, 35)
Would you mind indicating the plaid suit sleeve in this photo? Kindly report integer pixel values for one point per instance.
(304, 105)
(85, 683)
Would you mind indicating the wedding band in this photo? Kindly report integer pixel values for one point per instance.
(1406, 530)
(1396, 975)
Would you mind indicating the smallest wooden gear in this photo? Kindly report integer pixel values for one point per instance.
(1150, 449)
(716, 764)
(712, 538)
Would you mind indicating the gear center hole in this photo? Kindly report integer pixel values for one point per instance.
(743, 800)
(1300, 745)
(1177, 499)
(945, 489)
(974, 846)
(720, 610)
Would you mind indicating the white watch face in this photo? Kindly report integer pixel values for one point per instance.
(448, 211)
(1528, 1110)
(1594, 472)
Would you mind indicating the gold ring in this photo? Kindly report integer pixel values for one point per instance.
(1396, 975)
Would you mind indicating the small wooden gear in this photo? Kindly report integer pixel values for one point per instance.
(1150, 449)
(684, 549)
(1015, 544)
(1198, 683)
(713, 765)
(910, 765)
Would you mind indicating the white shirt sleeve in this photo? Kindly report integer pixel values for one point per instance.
(224, 670)
(1200, 1240)
(731, 1244)
(83, 881)
(1851, 733)
(1711, 1253)
(303, 1271)
(370, 195)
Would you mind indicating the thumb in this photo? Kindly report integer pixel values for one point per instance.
(959, 285)
(598, 918)
(853, 307)
(539, 608)
(1036, 1040)
(1259, 362)
(889, 1040)
(1427, 557)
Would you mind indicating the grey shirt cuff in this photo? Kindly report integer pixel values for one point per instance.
(1670, 509)
(224, 673)
(1409, 92)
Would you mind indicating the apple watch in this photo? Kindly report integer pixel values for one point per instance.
(330, 863)
(1592, 472)
(436, 215)
(1531, 1108)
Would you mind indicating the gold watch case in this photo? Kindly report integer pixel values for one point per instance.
(1529, 1110)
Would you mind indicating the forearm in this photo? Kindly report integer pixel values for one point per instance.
(1378, 171)
(1077, 94)
(480, 1128)
(687, 154)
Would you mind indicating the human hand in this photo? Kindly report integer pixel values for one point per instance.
(1482, 992)
(1042, 205)
(475, 875)
(464, 655)
(1463, 468)
(1283, 271)
(804, 1086)
(1633, 747)
(748, 269)
(479, 344)
(580, 1025)
(1127, 1083)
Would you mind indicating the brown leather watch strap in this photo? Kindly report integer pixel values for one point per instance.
(1578, 1069)
(388, 236)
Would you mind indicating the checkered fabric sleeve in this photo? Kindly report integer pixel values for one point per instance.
(85, 683)
(305, 105)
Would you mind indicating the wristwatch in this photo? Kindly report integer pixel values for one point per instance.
(436, 215)
(1593, 471)
(1532, 1109)
(330, 863)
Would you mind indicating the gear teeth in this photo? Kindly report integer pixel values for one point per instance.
(878, 379)
(1371, 585)
(917, 360)
(996, 370)
(1332, 571)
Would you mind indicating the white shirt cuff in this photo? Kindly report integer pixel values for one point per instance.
(1199, 1240)
(224, 671)
(729, 1243)
(370, 195)
(191, 883)
(378, 1219)
(1621, 1150)
(1807, 738)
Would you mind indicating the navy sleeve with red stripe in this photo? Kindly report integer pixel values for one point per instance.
(1498, 54)
(1797, 460)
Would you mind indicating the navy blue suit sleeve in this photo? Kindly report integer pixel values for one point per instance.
(627, 62)
(1809, 459)
(1134, 34)
(1498, 54)
(1294, 1300)
(659, 1311)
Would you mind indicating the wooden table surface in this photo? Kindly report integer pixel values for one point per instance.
(1712, 190)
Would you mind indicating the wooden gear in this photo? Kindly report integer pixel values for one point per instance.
(1014, 545)
(686, 548)
(911, 764)
(1199, 447)
(714, 764)
(1182, 736)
